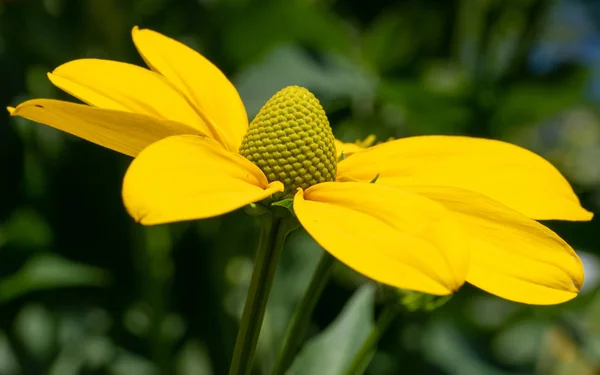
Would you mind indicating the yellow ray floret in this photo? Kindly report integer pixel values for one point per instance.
(199, 80)
(191, 177)
(125, 132)
(395, 237)
(509, 174)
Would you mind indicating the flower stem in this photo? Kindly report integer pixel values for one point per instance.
(361, 359)
(273, 232)
(301, 318)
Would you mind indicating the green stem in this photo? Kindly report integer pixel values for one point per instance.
(272, 237)
(361, 359)
(301, 318)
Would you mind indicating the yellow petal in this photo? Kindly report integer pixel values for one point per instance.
(512, 256)
(190, 177)
(347, 148)
(123, 132)
(202, 82)
(394, 237)
(10, 110)
(506, 173)
(125, 87)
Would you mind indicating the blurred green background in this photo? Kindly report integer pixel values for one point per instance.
(84, 290)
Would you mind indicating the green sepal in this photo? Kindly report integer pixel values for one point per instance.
(288, 204)
(416, 301)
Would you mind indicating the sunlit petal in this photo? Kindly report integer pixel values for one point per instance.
(202, 82)
(512, 256)
(506, 173)
(123, 132)
(125, 87)
(190, 177)
(394, 237)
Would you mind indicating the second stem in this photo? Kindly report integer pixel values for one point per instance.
(302, 316)
(273, 232)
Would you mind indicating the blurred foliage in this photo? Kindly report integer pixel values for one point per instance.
(345, 334)
(83, 290)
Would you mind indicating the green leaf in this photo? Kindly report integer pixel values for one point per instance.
(388, 29)
(425, 109)
(254, 31)
(48, 272)
(445, 346)
(529, 103)
(330, 352)
(27, 229)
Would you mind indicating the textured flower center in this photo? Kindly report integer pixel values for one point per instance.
(291, 141)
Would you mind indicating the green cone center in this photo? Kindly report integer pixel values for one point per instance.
(291, 141)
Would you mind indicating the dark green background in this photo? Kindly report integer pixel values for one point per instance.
(84, 290)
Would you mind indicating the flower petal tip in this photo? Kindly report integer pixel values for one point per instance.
(586, 215)
(11, 110)
(577, 213)
(54, 76)
(276, 187)
(565, 297)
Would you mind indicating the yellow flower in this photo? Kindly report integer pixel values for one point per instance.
(442, 210)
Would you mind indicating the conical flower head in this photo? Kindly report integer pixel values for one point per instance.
(291, 141)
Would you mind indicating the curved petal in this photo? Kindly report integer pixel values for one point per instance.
(190, 177)
(512, 256)
(125, 87)
(124, 132)
(394, 237)
(506, 173)
(203, 83)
